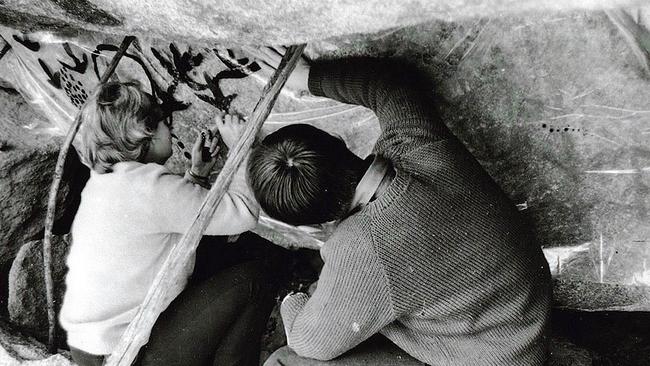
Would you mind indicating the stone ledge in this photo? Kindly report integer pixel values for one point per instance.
(16, 349)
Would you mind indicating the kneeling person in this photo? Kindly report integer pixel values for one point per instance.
(430, 252)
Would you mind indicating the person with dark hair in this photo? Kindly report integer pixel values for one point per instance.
(429, 251)
(303, 175)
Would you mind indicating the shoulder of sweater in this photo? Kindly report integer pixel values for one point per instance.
(134, 167)
(142, 174)
(353, 234)
(445, 156)
(131, 179)
(352, 243)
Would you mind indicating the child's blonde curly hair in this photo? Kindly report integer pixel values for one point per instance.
(117, 125)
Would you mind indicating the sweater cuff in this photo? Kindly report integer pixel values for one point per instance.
(202, 181)
(316, 73)
(291, 306)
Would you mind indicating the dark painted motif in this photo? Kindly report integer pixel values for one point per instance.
(566, 128)
(54, 78)
(73, 88)
(182, 64)
(71, 68)
(79, 65)
(237, 69)
(24, 40)
(4, 50)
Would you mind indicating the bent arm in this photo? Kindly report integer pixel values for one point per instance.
(352, 302)
(181, 200)
(396, 93)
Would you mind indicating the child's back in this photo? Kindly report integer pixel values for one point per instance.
(133, 210)
(126, 225)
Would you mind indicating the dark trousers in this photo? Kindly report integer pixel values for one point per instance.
(221, 315)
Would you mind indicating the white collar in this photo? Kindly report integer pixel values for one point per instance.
(370, 182)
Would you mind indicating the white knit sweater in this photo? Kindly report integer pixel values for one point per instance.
(127, 222)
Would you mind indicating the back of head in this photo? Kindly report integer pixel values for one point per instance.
(116, 126)
(303, 175)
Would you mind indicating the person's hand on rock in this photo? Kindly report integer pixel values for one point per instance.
(204, 153)
(230, 127)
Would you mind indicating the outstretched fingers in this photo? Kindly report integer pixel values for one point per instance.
(214, 146)
(198, 143)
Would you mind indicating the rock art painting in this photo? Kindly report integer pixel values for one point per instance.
(554, 107)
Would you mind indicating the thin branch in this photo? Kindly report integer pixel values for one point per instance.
(637, 37)
(277, 118)
(593, 261)
(553, 108)
(51, 205)
(584, 94)
(614, 171)
(600, 255)
(633, 111)
(475, 41)
(135, 335)
(461, 40)
(605, 138)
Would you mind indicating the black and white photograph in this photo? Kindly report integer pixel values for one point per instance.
(324, 183)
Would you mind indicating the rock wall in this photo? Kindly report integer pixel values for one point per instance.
(262, 22)
(27, 304)
(26, 164)
(554, 106)
(17, 349)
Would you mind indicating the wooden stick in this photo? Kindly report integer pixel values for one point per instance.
(137, 332)
(51, 204)
(637, 36)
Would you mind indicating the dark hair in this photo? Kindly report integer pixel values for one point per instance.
(303, 175)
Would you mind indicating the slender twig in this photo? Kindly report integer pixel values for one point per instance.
(637, 36)
(136, 333)
(461, 40)
(602, 264)
(279, 118)
(4, 49)
(593, 262)
(633, 111)
(51, 204)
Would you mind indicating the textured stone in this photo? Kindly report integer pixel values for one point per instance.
(555, 107)
(375, 351)
(274, 337)
(17, 349)
(566, 142)
(562, 353)
(565, 353)
(26, 164)
(261, 22)
(27, 300)
(595, 296)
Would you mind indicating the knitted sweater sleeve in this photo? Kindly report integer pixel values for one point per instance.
(396, 93)
(178, 201)
(351, 303)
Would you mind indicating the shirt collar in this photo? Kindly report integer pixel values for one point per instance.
(370, 182)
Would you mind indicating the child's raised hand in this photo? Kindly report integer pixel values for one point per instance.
(230, 127)
(204, 153)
